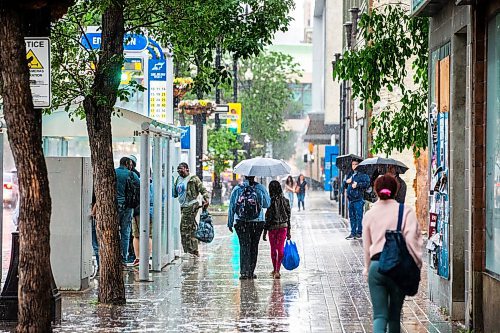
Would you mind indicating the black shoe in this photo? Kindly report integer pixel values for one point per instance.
(358, 236)
(351, 237)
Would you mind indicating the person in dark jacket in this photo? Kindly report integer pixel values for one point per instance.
(278, 225)
(356, 184)
(401, 194)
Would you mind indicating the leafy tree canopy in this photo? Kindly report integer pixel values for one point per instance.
(266, 97)
(193, 29)
(393, 39)
(221, 145)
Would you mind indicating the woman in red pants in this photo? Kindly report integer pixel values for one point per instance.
(277, 224)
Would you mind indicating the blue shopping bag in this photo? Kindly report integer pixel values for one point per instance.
(291, 257)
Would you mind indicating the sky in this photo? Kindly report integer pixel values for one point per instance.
(295, 33)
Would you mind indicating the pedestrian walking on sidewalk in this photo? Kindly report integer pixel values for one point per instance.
(300, 189)
(246, 215)
(387, 298)
(187, 188)
(278, 225)
(356, 184)
(290, 189)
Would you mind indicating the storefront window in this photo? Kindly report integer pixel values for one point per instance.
(493, 149)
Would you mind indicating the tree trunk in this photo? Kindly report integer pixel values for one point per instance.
(98, 109)
(25, 136)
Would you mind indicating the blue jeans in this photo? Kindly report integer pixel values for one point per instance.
(95, 243)
(356, 216)
(290, 198)
(387, 300)
(300, 198)
(125, 216)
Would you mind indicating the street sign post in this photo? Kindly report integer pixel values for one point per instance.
(131, 42)
(38, 56)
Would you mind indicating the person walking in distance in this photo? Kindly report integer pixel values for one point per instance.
(386, 296)
(187, 188)
(300, 189)
(290, 189)
(246, 215)
(278, 225)
(356, 184)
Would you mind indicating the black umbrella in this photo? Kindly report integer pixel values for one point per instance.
(380, 165)
(343, 162)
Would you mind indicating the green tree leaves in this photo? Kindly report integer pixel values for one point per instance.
(221, 146)
(393, 39)
(266, 96)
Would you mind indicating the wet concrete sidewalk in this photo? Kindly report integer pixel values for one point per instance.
(327, 293)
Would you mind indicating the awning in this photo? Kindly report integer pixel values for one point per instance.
(317, 132)
(124, 124)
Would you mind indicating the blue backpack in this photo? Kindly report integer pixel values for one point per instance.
(247, 205)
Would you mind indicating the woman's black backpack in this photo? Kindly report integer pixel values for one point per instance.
(396, 262)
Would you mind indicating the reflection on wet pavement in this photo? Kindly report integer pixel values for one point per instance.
(327, 293)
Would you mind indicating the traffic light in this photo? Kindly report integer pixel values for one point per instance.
(305, 158)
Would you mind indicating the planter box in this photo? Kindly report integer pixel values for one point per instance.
(219, 218)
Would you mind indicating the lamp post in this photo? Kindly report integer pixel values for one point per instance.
(247, 144)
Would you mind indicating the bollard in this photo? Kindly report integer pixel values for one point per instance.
(9, 296)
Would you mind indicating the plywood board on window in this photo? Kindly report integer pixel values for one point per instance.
(444, 85)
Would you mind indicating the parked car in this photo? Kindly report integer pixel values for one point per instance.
(10, 189)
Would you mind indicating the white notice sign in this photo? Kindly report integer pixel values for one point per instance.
(38, 57)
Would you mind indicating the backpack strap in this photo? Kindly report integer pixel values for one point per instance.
(400, 216)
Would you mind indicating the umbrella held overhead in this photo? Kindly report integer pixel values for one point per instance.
(380, 165)
(262, 167)
(343, 162)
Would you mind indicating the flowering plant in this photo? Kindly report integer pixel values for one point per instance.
(182, 85)
(197, 106)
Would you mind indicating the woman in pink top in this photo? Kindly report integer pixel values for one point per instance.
(387, 298)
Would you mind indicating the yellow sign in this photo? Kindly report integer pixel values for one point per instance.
(311, 147)
(34, 63)
(234, 121)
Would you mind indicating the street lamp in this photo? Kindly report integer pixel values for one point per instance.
(246, 144)
(354, 19)
(248, 74)
(335, 61)
(348, 33)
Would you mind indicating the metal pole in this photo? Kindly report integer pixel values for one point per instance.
(176, 219)
(144, 217)
(164, 202)
(156, 204)
(217, 90)
(1, 194)
(235, 100)
(169, 200)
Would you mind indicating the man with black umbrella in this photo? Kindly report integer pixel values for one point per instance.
(356, 183)
(401, 195)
